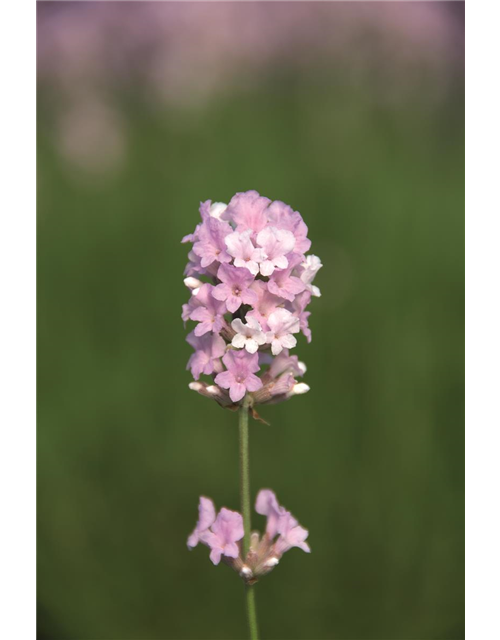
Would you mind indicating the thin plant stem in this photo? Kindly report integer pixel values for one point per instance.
(245, 510)
(252, 613)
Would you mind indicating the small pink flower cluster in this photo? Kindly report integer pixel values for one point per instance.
(223, 533)
(257, 285)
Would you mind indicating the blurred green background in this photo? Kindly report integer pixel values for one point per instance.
(370, 460)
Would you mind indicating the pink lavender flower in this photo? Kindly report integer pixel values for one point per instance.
(310, 268)
(282, 323)
(291, 535)
(240, 375)
(206, 519)
(297, 307)
(276, 245)
(284, 284)
(240, 246)
(248, 210)
(224, 534)
(266, 303)
(267, 505)
(250, 284)
(217, 209)
(209, 348)
(284, 217)
(208, 311)
(210, 246)
(248, 336)
(285, 362)
(234, 289)
(219, 533)
(280, 521)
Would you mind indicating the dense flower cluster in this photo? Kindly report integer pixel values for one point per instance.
(251, 303)
(223, 533)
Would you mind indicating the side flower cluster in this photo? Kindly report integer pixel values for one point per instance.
(223, 533)
(250, 282)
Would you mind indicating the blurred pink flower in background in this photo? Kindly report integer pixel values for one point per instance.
(187, 54)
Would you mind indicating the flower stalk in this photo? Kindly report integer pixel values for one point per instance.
(246, 511)
(245, 474)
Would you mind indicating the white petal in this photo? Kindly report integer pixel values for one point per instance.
(260, 338)
(217, 209)
(276, 347)
(281, 262)
(266, 268)
(252, 266)
(315, 291)
(288, 341)
(287, 240)
(299, 388)
(253, 323)
(233, 243)
(238, 325)
(238, 341)
(279, 318)
(251, 346)
(192, 283)
(259, 255)
(266, 235)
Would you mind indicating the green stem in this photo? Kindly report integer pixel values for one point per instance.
(245, 510)
(252, 613)
(245, 476)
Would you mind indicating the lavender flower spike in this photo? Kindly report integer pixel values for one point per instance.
(251, 283)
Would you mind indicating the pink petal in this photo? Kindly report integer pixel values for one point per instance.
(253, 383)
(236, 391)
(224, 379)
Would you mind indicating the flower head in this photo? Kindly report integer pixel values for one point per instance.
(250, 282)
